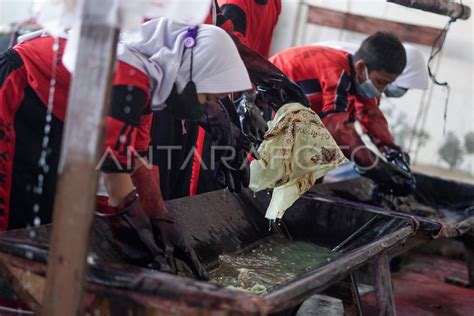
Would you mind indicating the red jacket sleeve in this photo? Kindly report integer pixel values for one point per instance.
(143, 134)
(127, 128)
(368, 113)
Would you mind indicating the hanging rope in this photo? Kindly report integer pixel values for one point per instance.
(438, 45)
(424, 108)
(424, 114)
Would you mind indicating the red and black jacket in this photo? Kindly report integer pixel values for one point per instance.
(253, 21)
(25, 81)
(327, 77)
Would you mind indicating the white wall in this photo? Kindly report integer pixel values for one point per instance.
(456, 65)
(12, 11)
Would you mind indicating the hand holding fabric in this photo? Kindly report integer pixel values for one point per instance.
(232, 164)
(147, 183)
(397, 157)
(392, 176)
(251, 119)
(133, 233)
(297, 151)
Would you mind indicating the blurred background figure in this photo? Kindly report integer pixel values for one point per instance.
(253, 21)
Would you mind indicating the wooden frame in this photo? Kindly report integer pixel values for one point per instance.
(382, 282)
(423, 35)
(77, 175)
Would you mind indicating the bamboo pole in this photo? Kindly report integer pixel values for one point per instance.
(443, 7)
(82, 141)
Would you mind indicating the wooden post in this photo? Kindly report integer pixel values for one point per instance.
(355, 294)
(344, 291)
(82, 142)
(382, 282)
(443, 7)
(468, 242)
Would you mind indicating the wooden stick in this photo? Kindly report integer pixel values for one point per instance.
(423, 35)
(82, 141)
(443, 7)
(382, 282)
(468, 242)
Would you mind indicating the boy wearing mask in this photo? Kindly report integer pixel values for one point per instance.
(343, 88)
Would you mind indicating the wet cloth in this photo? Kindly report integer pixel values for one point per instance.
(296, 151)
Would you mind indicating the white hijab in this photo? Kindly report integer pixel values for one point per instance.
(159, 52)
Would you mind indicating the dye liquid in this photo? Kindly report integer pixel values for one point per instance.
(268, 264)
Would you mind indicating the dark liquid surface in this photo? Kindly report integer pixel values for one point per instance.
(269, 264)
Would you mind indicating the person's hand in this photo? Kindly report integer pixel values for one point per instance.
(252, 122)
(231, 146)
(133, 232)
(166, 230)
(397, 157)
(234, 174)
(233, 164)
(178, 253)
(393, 177)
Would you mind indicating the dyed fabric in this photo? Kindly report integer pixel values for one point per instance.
(297, 151)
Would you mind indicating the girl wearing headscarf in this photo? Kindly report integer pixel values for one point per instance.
(169, 65)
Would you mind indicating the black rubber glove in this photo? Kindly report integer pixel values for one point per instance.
(397, 157)
(232, 164)
(251, 118)
(178, 253)
(394, 176)
(166, 230)
(234, 174)
(133, 232)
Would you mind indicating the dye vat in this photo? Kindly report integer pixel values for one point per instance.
(269, 263)
(219, 225)
(437, 202)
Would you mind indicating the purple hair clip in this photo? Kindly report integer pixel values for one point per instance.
(191, 35)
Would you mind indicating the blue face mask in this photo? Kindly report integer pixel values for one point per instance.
(394, 91)
(367, 88)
